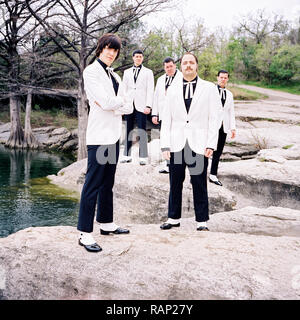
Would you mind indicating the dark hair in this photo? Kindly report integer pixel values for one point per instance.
(111, 41)
(189, 53)
(169, 59)
(223, 71)
(138, 51)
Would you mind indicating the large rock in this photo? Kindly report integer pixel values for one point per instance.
(182, 263)
(141, 192)
(280, 155)
(50, 137)
(267, 183)
(272, 221)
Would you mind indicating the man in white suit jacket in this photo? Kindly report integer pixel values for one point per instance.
(108, 103)
(227, 119)
(189, 134)
(139, 85)
(162, 85)
(159, 100)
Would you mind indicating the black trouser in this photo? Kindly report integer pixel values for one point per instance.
(217, 153)
(99, 182)
(141, 120)
(197, 165)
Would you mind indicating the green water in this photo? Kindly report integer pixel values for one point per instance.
(27, 198)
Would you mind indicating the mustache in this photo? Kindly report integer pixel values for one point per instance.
(188, 68)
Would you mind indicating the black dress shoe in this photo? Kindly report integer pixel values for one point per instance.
(117, 231)
(218, 183)
(202, 229)
(91, 247)
(163, 171)
(167, 226)
(126, 161)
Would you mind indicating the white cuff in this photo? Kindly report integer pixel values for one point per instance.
(108, 226)
(173, 221)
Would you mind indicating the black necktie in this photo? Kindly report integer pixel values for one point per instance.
(223, 95)
(189, 89)
(136, 71)
(110, 72)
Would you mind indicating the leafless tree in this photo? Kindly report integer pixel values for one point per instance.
(80, 25)
(260, 25)
(41, 67)
(191, 37)
(16, 25)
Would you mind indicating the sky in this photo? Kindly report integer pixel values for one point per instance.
(224, 12)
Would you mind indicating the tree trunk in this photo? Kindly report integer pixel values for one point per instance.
(16, 137)
(16, 163)
(30, 140)
(82, 110)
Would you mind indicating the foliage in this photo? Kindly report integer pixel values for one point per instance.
(209, 64)
(285, 64)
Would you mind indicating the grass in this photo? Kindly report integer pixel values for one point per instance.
(45, 118)
(287, 147)
(245, 94)
(293, 87)
(259, 142)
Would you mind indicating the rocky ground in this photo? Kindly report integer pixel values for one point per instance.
(52, 138)
(251, 252)
(235, 260)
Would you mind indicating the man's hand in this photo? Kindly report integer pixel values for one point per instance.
(208, 153)
(166, 155)
(155, 120)
(147, 110)
(233, 134)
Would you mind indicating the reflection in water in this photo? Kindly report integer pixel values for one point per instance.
(25, 199)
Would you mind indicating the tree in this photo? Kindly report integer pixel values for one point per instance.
(209, 64)
(15, 27)
(263, 59)
(260, 25)
(82, 23)
(285, 64)
(157, 45)
(191, 37)
(40, 67)
(233, 61)
(294, 34)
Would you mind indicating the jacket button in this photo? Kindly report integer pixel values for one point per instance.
(187, 122)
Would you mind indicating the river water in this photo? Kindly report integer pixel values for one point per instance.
(26, 196)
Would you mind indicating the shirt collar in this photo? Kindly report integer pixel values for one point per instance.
(102, 64)
(173, 76)
(196, 78)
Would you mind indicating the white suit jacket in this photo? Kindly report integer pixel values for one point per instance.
(106, 109)
(142, 91)
(160, 94)
(227, 115)
(199, 127)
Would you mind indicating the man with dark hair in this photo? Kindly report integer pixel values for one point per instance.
(139, 84)
(227, 118)
(108, 103)
(189, 134)
(110, 40)
(162, 85)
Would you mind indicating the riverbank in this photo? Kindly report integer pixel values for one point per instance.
(251, 251)
(27, 198)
